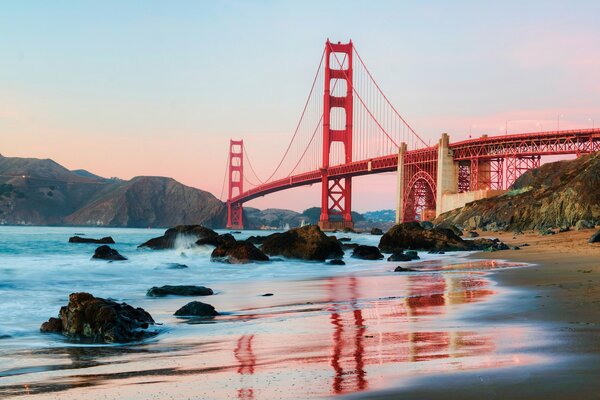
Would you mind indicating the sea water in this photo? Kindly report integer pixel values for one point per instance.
(343, 328)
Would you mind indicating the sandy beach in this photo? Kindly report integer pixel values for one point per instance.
(563, 294)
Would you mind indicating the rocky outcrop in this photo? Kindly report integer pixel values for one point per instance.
(367, 253)
(237, 252)
(185, 233)
(411, 235)
(107, 253)
(98, 320)
(402, 269)
(401, 256)
(376, 231)
(104, 240)
(307, 243)
(336, 261)
(179, 290)
(555, 195)
(197, 309)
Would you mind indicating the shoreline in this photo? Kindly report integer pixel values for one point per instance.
(563, 287)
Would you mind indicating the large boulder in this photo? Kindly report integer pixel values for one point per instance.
(235, 252)
(411, 235)
(367, 253)
(98, 320)
(179, 290)
(107, 253)
(307, 243)
(197, 309)
(104, 240)
(189, 233)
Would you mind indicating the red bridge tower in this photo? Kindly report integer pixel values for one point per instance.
(336, 193)
(236, 181)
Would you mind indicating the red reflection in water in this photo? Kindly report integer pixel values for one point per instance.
(247, 361)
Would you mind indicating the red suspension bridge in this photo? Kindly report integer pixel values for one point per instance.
(349, 128)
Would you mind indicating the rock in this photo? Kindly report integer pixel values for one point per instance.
(336, 261)
(426, 224)
(107, 253)
(344, 239)
(595, 238)
(256, 239)
(367, 253)
(196, 309)
(584, 224)
(348, 230)
(447, 225)
(412, 254)
(307, 243)
(472, 234)
(349, 246)
(411, 235)
(180, 290)
(399, 256)
(376, 231)
(99, 320)
(436, 252)
(235, 252)
(235, 232)
(104, 240)
(192, 233)
(175, 266)
(402, 269)
(267, 295)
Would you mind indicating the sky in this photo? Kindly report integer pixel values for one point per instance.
(133, 88)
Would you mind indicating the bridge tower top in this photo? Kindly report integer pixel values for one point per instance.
(236, 184)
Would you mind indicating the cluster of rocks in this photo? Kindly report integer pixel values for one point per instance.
(79, 239)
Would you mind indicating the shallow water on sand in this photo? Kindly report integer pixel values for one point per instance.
(327, 330)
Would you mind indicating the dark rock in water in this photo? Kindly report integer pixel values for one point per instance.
(367, 253)
(348, 230)
(349, 246)
(402, 269)
(224, 239)
(472, 234)
(107, 253)
(412, 254)
(267, 295)
(180, 290)
(411, 235)
(595, 238)
(4, 337)
(344, 239)
(196, 309)
(235, 232)
(436, 252)
(95, 319)
(104, 240)
(235, 252)
(167, 241)
(399, 256)
(176, 266)
(336, 261)
(426, 224)
(307, 243)
(256, 239)
(376, 231)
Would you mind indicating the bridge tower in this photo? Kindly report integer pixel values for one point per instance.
(336, 193)
(236, 181)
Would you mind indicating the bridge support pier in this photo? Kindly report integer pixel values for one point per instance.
(447, 173)
(400, 183)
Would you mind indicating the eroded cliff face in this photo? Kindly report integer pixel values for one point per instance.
(557, 194)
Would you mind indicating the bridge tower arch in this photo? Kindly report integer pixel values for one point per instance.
(236, 184)
(336, 193)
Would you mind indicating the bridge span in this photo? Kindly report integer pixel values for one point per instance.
(362, 133)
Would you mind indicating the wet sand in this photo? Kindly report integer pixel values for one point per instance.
(562, 292)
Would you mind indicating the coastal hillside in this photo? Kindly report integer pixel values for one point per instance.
(556, 195)
(42, 192)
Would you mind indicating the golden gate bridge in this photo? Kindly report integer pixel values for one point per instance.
(348, 128)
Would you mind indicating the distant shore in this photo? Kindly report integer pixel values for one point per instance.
(565, 297)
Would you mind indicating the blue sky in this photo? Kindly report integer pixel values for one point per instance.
(164, 85)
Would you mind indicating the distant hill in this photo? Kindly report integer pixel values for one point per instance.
(42, 192)
(555, 195)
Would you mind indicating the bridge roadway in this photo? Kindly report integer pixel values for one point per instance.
(564, 142)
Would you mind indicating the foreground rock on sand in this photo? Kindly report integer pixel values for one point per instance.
(367, 253)
(107, 253)
(191, 232)
(411, 235)
(197, 309)
(306, 243)
(104, 240)
(237, 252)
(181, 290)
(94, 319)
